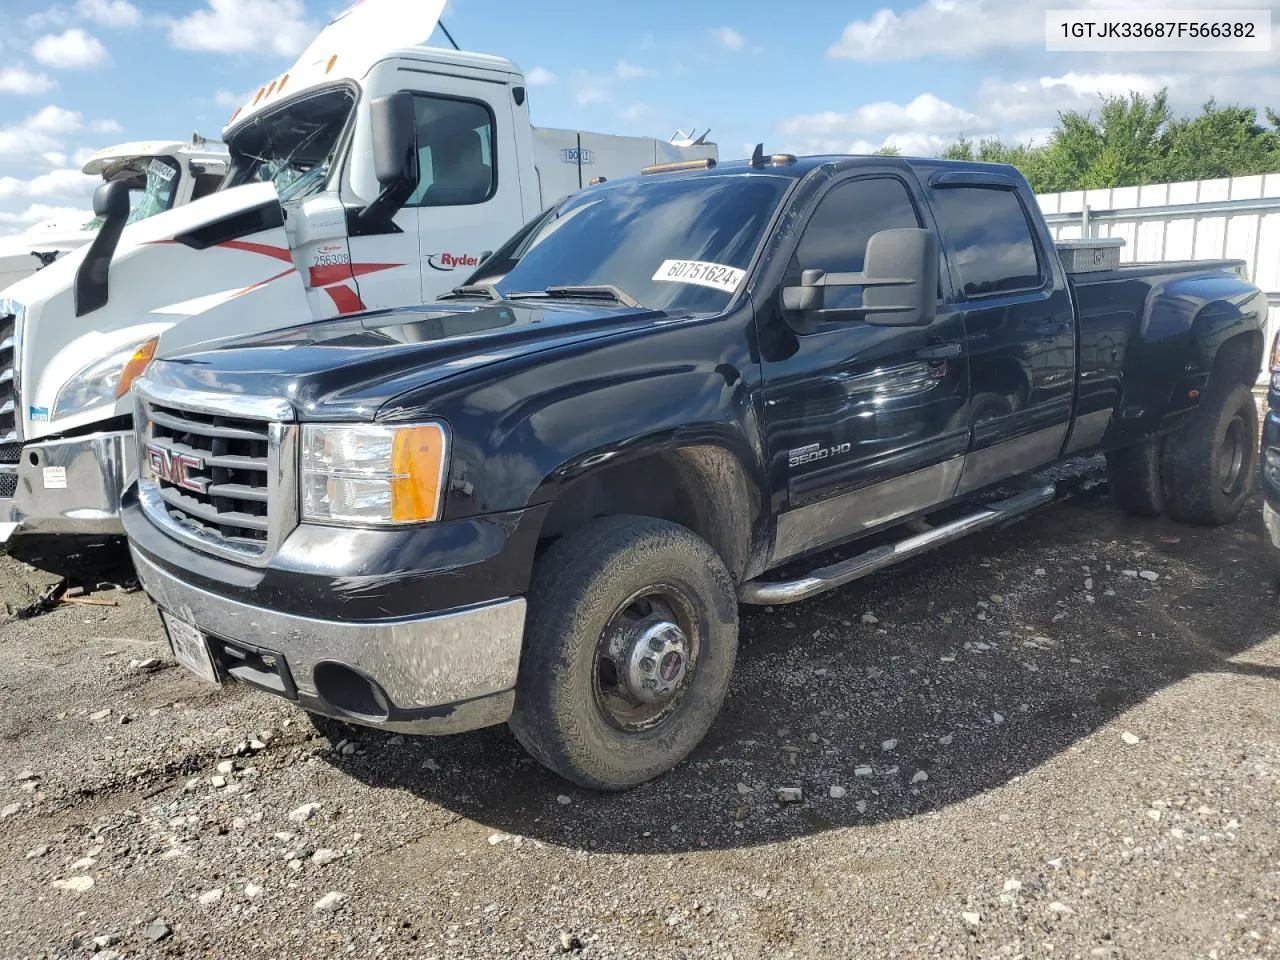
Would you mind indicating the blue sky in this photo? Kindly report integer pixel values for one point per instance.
(76, 75)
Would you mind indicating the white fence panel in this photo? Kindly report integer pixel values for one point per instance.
(1236, 218)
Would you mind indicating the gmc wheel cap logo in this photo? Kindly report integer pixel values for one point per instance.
(175, 468)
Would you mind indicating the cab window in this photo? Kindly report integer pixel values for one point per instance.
(455, 153)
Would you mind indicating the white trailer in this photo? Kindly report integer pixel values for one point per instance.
(368, 175)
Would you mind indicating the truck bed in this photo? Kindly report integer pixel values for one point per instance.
(1153, 270)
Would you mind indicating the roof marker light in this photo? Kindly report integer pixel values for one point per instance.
(332, 60)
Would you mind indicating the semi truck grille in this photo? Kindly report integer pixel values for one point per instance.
(9, 448)
(223, 481)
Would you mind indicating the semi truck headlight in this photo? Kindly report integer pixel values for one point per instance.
(105, 380)
(373, 473)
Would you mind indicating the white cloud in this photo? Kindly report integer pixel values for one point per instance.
(63, 183)
(15, 222)
(55, 158)
(110, 13)
(539, 77)
(589, 93)
(39, 133)
(82, 156)
(230, 100)
(925, 114)
(55, 16)
(18, 79)
(105, 126)
(728, 38)
(637, 111)
(273, 27)
(629, 71)
(72, 50)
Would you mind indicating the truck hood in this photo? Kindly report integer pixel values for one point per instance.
(347, 368)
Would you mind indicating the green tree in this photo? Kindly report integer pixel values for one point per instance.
(887, 151)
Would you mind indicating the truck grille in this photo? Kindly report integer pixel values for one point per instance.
(223, 481)
(222, 484)
(9, 447)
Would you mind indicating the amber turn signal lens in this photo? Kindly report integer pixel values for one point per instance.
(136, 366)
(417, 473)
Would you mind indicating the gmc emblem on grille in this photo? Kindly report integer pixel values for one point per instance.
(175, 468)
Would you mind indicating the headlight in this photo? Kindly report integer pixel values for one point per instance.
(105, 380)
(373, 473)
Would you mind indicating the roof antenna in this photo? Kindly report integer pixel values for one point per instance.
(757, 156)
(445, 31)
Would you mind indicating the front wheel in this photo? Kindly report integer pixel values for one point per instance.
(1210, 465)
(630, 641)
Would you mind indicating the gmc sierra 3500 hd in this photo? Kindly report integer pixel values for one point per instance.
(541, 499)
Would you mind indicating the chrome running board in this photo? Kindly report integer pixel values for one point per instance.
(846, 571)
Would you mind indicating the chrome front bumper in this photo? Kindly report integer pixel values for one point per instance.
(69, 486)
(447, 672)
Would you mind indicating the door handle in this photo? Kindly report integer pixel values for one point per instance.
(1051, 329)
(940, 351)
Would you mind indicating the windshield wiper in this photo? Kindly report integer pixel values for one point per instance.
(486, 290)
(594, 291)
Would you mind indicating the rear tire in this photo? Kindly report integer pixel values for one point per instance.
(601, 599)
(1211, 464)
(1134, 477)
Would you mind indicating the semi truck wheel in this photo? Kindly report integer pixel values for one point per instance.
(630, 640)
(1134, 477)
(1210, 465)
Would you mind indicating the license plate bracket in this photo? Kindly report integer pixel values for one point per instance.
(190, 647)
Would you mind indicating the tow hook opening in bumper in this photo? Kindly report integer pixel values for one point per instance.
(351, 692)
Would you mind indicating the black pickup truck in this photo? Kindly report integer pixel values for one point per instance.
(542, 499)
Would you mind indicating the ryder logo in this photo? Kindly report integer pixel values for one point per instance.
(451, 261)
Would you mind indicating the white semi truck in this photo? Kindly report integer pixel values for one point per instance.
(160, 174)
(368, 175)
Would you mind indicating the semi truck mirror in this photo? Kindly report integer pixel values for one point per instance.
(111, 203)
(899, 281)
(395, 154)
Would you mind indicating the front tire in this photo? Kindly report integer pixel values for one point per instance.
(1210, 465)
(630, 641)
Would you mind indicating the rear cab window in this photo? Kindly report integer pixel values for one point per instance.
(988, 240)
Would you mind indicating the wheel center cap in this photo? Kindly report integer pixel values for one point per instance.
(657, 663)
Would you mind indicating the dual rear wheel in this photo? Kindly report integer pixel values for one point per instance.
(1201, 473)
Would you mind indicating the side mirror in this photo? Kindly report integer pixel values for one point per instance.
(111, 203)
(394, 125)
(899, 282)
(111, 200)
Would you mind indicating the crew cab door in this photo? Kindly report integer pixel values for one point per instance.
(1018, 320)
(864, 423)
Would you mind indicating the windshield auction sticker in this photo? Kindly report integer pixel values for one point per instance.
(713, 275)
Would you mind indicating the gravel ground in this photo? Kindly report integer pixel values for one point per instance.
(1058, 740)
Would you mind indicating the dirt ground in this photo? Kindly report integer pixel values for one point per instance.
(1058, 740)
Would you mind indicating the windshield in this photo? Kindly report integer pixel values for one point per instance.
(674, 245)
(292, 146)
(153, 186)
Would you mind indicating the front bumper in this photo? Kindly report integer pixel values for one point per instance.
(446, 672)
(68, 486)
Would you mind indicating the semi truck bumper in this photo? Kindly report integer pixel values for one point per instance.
(67, 486)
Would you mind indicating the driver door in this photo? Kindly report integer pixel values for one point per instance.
(865, 424)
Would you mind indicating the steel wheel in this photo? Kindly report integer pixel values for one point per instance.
(646, 657)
